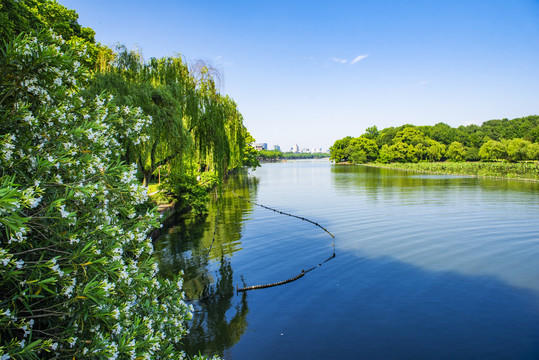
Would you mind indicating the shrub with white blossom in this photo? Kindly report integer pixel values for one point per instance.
(77, 276)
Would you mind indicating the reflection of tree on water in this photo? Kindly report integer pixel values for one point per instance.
(210, 329)
(373, 179)
(208, 275)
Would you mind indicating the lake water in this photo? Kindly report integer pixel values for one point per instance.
(426, 266)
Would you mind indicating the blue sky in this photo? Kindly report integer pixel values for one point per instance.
(312, 72)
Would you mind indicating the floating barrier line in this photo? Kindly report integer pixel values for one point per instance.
(303, 271)
(284, 213)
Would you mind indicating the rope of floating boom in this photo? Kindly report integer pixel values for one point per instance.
(303, 271)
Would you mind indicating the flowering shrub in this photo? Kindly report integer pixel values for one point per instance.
(77, 278)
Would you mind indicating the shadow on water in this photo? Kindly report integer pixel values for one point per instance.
(385, 309)
(189, 245)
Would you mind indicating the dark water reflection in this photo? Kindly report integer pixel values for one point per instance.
(202, 251)
(427, 267)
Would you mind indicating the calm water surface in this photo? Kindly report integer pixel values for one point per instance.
(426, 266)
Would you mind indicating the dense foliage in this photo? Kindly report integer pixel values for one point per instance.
(77, 276)
(18, 17)
(510, 140)
(80, 127)
(194, 128)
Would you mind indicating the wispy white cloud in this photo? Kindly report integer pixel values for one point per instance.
(358, 58)
(220, 59)
(340, 61)
(351, 62)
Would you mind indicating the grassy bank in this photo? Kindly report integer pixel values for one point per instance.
(523, 170)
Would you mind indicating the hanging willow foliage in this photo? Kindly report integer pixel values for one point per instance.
(192, 123)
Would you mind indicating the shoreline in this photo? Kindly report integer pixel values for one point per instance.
(426, 171)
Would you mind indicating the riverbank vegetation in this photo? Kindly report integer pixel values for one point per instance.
(274, 155)
(496, 142)
(83, 130)
(521, 170)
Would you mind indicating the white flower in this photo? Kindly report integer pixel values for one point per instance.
(69, 291)
(19, 264)
(72, 341)
(115, 314)
(35, 202)
(57, 269)
(63, 212)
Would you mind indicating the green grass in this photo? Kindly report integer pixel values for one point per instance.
(522, 170)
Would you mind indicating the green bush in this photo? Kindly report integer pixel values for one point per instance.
(191, 189)
(77, 276)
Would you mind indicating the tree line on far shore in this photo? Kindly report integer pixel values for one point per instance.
(509, 140)
(273, 155)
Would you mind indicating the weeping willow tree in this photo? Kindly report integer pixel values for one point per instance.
(194, 128)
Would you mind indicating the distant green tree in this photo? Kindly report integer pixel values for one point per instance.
(410, 136)
(476, 138)
(386, 136)
(385, 154)
(516, 149)
(472, 154)
(534, 135)
(362, 150)
(456, 152)
(338, 150)
(435, 150)
(371, 132)
(399, 152)
(442, 133)
(270, 155)
(292, 155)
(492, 150)
(412, 145)
(532, 151)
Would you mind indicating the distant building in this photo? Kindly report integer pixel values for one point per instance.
(295, 148)
(276, 147)
(261, 146)
(305, 150)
